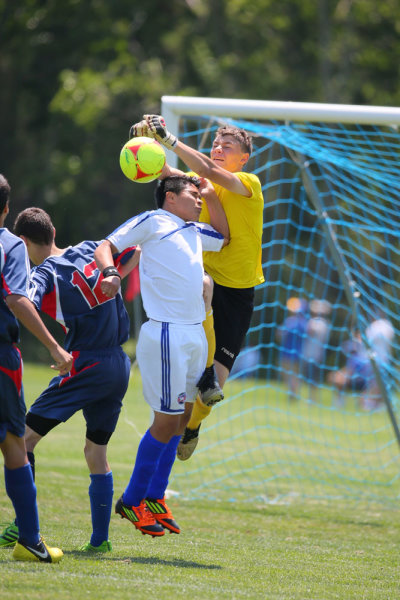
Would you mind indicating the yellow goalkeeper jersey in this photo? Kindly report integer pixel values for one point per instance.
(238, 265)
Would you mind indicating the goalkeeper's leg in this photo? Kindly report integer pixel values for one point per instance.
(232, 309)
(210, 391)
(209, 385)
(209, 388)
(200, 411)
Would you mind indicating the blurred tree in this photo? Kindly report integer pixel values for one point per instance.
(74, 74)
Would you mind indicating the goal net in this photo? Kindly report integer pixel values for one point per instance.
(311, 408)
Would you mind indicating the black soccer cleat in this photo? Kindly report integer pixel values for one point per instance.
(188, 443)
(209, 388)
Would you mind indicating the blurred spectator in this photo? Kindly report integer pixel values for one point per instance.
(380, 335)
(291, 336)
(314, 345)
(357, 374)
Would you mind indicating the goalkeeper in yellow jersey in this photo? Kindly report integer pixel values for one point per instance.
(235, 270)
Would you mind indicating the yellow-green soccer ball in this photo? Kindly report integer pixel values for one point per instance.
(142, 159)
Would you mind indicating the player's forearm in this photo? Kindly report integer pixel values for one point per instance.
(26, 313)
(103, 255)
(126, 268)
(104, 259)
(217, 216)
(170, 171)
(201, 164)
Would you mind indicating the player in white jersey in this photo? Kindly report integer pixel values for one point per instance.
(172, 347)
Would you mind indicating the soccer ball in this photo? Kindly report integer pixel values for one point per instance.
(142, 159)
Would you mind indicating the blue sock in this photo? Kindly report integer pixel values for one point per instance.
(31, 458)
(159, 482)
(101, 495)
(147, 458)
(21, 490)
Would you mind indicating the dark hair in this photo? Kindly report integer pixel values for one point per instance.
(173, 183)
(4, 192)
(35, 224)
(240, 134)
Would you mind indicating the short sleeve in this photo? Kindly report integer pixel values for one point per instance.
(131, 233)
(211, 239)
(15, 272)
(41, 284)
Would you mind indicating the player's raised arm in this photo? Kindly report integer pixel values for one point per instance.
(220, 169)
(104, 259)
(217, 214)
(25, 312)
(170, 171)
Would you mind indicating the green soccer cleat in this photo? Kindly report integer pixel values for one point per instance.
(9, 537)
(39, 552)
(105, 546)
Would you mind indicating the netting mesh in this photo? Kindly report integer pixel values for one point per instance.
(311, 406)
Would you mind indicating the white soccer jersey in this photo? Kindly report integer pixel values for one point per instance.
(171, 264)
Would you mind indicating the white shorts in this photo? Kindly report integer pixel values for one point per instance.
(171, 359)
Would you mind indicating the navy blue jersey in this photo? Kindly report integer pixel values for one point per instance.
(14, 273)
(67, 288)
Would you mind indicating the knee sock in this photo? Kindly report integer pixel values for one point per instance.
(101, 495)
(159, 482)
(21, 490)
(199, 413)
(31, 458)
(208, 326)
(147, 457)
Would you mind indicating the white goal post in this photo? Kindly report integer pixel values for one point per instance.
(331, 185)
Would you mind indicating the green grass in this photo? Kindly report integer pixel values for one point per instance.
(282, 544)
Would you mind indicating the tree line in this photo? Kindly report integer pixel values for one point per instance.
(74, 74)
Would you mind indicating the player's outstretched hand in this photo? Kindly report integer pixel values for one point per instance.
(157, 126)
(140, 129)
(63, 360)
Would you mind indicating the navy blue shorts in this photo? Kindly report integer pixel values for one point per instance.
(12, 404)
(96, 385)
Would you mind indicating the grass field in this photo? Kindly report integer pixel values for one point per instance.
(270, 543)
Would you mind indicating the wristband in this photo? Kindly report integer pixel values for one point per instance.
(111, 272)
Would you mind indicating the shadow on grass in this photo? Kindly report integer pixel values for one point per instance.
(143, 560)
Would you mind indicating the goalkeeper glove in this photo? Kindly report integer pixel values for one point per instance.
(140, 129)
(158, 128)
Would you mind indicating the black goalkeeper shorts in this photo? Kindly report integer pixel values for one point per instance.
(232, 309)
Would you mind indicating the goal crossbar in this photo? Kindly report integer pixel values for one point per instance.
(265, 109)
(173, 107)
